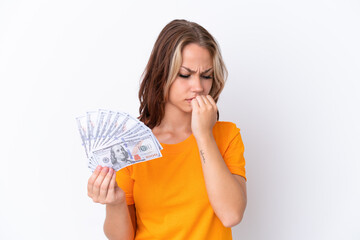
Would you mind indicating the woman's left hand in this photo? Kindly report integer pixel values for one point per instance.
(204, 115)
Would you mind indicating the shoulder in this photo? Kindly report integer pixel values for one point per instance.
(225, 128)
(224, 132)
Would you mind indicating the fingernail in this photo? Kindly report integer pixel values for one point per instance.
(98, 167)
(111, 170)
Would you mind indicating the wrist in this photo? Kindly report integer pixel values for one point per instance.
(204, 137)
(118, 204)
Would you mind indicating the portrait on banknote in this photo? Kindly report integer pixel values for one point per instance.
(119, 157)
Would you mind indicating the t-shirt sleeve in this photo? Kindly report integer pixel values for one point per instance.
(126, 183)
(234, 153)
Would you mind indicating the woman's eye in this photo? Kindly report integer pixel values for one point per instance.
(184, 76)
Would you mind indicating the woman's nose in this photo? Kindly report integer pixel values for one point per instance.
(196, 84)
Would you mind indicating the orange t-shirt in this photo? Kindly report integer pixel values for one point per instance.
(169, 193)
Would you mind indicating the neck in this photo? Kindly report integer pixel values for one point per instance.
(175, 120)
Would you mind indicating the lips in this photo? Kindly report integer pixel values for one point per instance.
(189, 99)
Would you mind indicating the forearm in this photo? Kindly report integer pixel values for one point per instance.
(226, 196)
(118, 223)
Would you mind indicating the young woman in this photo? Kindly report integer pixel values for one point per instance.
(197, 190)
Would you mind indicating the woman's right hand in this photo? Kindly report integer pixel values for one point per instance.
(102, 187)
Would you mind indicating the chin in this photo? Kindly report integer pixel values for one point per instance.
(188, 110)
(185, 109)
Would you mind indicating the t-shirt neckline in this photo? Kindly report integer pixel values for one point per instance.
(178, 145)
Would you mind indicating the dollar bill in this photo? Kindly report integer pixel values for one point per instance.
(116, 139)
(124, 153)
(91, 118)
(141, 130)
(81, 124)
(111, 123)
(120, 128)
(99, 125)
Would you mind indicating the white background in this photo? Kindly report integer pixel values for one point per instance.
(293, 90)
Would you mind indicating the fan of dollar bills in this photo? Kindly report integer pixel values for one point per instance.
(116, 139)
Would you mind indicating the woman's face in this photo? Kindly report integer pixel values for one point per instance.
(195, 77)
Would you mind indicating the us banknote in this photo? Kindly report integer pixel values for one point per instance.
(116, 139)
(126, 152)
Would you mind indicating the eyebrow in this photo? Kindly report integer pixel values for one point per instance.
(192, 71)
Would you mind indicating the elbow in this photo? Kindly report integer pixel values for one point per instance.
(111, 235)
(232, 217)
(232, 221)
(231, 214)
(108, 233)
